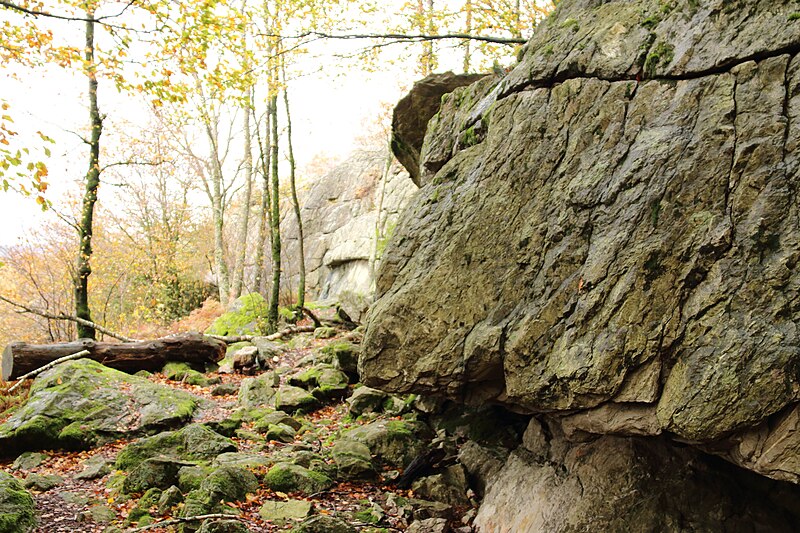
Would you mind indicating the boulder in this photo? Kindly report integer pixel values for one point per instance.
(153, 473)
(42, 482)
(81, 403)
(324, 381)
(353, 459)
(366, 400)
(258, 391)
(230, 483)
(95, 467)
(223, 526)
(176, 371)
(242, 317)
(615, 221)
(28, 461)
(17, 511)
(290, 399)
(413, 112)
(345, 356)
(392, 442)
(195, 442)
(288, 477)
(324, 524)
(448, 487)
(169, 499)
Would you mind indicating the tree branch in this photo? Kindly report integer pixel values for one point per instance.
(38, 13)
(403, 37)
(275, 336)
(48, 366)
(62, 316)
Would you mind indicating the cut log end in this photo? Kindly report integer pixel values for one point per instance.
(8, 363)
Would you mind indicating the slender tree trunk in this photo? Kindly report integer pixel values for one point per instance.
(218, 210)
(301, 286)
(468, 31)
(238, 274)
(84, 268)
(275, 221)
(266, 203)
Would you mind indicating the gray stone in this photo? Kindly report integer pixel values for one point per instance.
(225, 389)
(182, 372)
(17, 511)
(429, 525)
(324, 524)
(392, 442)
(29, 461)
(281, 512)
(169, 499)
(155, 472)
(482, 463)
(246, 460)
(95, 467)
(42, 482)
(324, 332)
(619, 217)
(258, 391)
(353, 459)
(290, 399)
(366, 400)
(223, 526)
(191, 477)
(449, 487)
(230, 483)
(83, 403)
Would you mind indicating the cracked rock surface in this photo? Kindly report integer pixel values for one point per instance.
(612, 230)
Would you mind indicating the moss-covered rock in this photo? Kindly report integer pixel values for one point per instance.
(345, 354)
(222, 526)
(182, 372)
(277, 417)
(289, 477)
(448, 487)
(226, 427)
(324, 332)
(29, 461)
(95, 467)
(393, 442)
(281, 512)
(200, 502)
(230, 483)
(194, 442)
(191, 477)
(225, 389)
(353, 459)
(17, 511)
(324, 381)
(242, 317)
(324, 524)
(82, 403)
(258, 391)
(155, 472)
(244, 460)
(366, 400)
(42, 482)
(290, 399)
(169, 499)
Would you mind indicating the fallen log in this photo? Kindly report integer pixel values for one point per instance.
(193, 348)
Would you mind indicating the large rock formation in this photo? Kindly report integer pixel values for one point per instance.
(613, 232)
(342, 229)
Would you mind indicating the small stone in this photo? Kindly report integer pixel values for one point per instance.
(223, 526)
(17, 510)
(230, 483)
(353, 459)
(366, 400)
(95, 467)
(291, 399)
(288, 477)
(102, 514)
(324, 524)
(430, 525)
(225, 389)
(169, 499)
(155, 472)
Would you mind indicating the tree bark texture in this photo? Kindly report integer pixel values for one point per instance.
(19, 358)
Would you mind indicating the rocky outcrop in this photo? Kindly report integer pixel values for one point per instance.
(413, 113)
(613, 232)
(343, 229)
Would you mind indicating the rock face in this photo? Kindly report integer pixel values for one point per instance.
(613, 230)
(340, 214)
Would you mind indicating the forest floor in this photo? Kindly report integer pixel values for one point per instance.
(83, 505)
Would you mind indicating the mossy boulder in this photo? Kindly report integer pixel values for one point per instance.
(290, 399)
(200, 502)
(345, 354)
(324, 332)
(242, 317)
(176, 371)
(324, 381)
(42, 482)
(194, 442)
(258, 391)
(280, 512)
(450, 486)
(230, 483)
(17, 510)
(155, 472)
(277, 417)
(223, 526)
(244, 460)
(366, 400)
(169, 499)
(289, 477)
(191, 477)
(79, 404)
(324, 524)
(393, 442)
(353, 459)
(95, 467)
(225, 389)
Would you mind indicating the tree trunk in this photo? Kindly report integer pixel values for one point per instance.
(266, 202)
(83, 266)
(301, 286)
(275, 223)
(19, 358)
(468, 31)
(238, 272)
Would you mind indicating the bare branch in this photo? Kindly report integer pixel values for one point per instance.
(62, 316)
(403, 37)
(48, 366)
